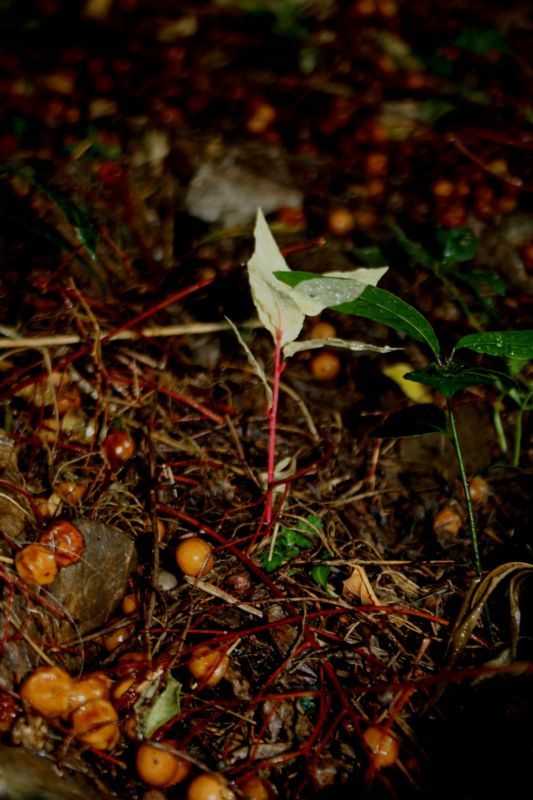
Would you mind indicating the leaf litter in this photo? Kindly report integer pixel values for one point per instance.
(312, 664)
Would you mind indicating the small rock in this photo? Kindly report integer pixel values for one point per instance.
(229, 190)
(90, 590)
(24, 775)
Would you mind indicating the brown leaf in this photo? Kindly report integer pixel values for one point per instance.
(359, 586)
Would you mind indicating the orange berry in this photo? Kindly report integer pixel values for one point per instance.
(322, 330)
(383, 746)
(48, 691)
(442, 189)
(117, 637)
(340, 222)
(255, 788)
(130, 603)
(122, 687)
(36, 563)
(325, 367)
(65, 541)
(96, 724)
(70, 491)
(158, 767)
(209, 786)
(90, 687)
(119, 447)
(132, 663)
(262, 117)
(207, 665)
(365, 218)
(454, 216)
(194, 557)
(376, 164)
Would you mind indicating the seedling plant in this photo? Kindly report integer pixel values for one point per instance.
(282, 312)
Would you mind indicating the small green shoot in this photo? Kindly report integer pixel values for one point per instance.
(291, 543)
(456, 245)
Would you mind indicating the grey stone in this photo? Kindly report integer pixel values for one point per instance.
(229, 190)
(27, 776)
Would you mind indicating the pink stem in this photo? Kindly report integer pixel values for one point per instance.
(272, 413)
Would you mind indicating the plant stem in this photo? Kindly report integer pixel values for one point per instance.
(272, 420)
(498, 425)
(518, 437)
(466, 489)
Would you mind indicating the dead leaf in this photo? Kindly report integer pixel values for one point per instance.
(416, 392)
(356, 347)
(359, 586)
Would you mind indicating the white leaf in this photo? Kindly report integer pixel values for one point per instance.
(275, 306)
(313, 344)
(334, 288)
(283, 308)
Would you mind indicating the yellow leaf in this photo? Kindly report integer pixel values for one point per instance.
(416, 392)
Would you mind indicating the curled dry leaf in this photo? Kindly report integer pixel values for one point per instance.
(359, 586)
(356, 347)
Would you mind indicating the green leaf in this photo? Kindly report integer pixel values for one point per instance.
(458, 244)
(434, 108)
(271, 564)
(75, 214)
(478, 279)
(481, 41)
(320, 574)
(456, 377)
(164, 709)
(382, 306)
(508, 344)
(416, 252)
(372, 256)
(378, 305)
(417, 420)
(291, 542)
(312, 525)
